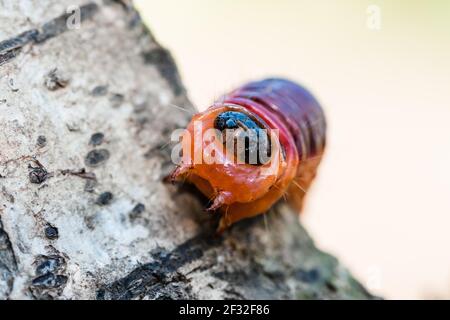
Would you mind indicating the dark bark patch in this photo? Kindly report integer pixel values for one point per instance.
(308, 276)
(97, 139)
(104, 198)
(50, 277)
(5, 57)
(18, 41)
(53, 263)
(10, 48)
(38, 175)
(99, 91)
(51, 232)
(59, 25)
(164, 62)
(41, 141)
(137, 211)
(96, 158)
(330, 286)
(148, 279)
(48, 286)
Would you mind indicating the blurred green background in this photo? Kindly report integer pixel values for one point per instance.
(381, 69)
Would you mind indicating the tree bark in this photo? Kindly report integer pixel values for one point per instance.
(86, 113)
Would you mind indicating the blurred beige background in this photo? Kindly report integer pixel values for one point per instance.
(381, 202)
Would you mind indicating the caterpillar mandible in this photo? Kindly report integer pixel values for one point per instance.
(239, 188)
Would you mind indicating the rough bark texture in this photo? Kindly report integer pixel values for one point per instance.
(85, 118)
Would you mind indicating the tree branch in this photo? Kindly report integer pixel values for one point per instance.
(85, 121)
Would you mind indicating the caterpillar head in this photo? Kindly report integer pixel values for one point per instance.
(232, 156)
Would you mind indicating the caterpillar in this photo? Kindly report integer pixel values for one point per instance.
(287, 125)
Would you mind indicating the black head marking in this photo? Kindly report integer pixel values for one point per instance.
(254, 136)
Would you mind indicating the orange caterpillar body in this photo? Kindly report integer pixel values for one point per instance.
(239, 189)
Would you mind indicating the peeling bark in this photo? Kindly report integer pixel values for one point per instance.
(85, 121)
